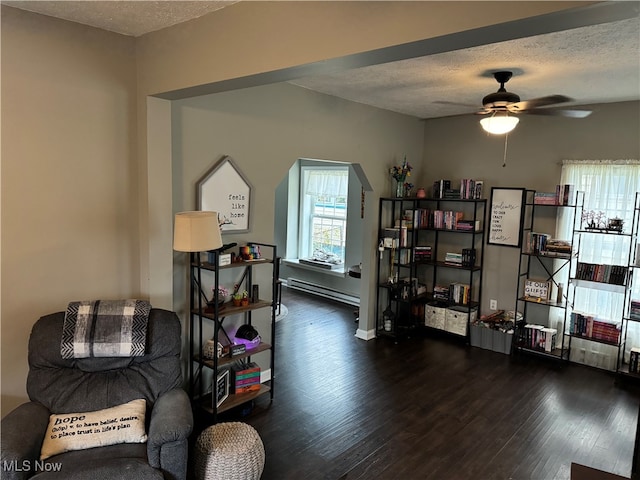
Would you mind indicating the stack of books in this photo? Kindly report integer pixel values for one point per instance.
(545, 198)
(634, 312)
(422, 253)
(558, 248)
(452, 258)
(440, 292)
(468, 225)
(245, 377)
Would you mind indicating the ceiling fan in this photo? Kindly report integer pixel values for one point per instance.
(501, 103)
(502, 100)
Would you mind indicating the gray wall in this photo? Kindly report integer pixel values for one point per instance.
(266, 130)
(456, 147)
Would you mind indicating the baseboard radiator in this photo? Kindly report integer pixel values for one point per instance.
(322, 291)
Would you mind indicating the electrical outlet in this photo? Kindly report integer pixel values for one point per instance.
(493, 304)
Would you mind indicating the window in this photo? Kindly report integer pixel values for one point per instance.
(610, 187)
(323, 213)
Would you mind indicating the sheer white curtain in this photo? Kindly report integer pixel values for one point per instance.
(609, 188)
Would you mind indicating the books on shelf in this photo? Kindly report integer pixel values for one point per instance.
(394, 237)
(459, 293)
(612, 274)
(441, 292)
(422, 253)
(565, 194)
(452, 258)
(543, 244)
(545, 198)
(539, 337)
(589, 326)
(634, 311)
(634, 360)
(468, 257)
(439, 187)
(471, 189)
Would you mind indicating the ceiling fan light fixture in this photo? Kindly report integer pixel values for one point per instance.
(499, 124)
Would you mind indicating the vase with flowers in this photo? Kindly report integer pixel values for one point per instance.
(400, 174)
(223, 294)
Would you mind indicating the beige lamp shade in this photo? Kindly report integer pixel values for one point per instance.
(196, 232)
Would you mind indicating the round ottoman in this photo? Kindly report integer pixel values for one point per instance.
(229, 451)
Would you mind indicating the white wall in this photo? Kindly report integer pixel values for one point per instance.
(69, 217)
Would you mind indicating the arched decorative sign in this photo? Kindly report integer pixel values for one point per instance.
(224, 189)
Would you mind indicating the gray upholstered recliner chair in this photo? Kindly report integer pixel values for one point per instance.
(56, 385)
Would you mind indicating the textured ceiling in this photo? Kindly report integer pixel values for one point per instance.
(595, 64)
(125, 17)
(592, 64)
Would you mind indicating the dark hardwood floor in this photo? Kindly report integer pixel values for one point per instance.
(430, 408)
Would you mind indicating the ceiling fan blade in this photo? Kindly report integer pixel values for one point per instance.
(559, 112)
(457, 104)
(538, 102)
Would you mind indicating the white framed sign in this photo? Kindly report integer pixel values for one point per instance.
(506, 216)
(224, 189)
(537, 289)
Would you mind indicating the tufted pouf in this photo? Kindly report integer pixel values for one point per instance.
(229, 451)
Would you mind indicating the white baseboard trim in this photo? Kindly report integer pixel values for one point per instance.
(365, 334)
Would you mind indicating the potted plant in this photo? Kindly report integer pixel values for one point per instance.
(241, 298)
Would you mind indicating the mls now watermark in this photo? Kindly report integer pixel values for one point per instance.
(29, 466)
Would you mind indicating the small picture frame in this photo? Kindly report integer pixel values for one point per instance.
(537, 290)
(222, 387)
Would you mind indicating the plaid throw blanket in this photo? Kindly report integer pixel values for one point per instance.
(105, 328)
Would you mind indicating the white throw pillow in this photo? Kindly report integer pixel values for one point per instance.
(78, 431)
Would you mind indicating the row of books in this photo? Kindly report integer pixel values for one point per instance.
(634, 312)
(634, 360)
(543, 244)
(445, 219)
(538, 337)
(469, 189)
(459, 293)
(612, 274)
(589, 326)
(564, 195)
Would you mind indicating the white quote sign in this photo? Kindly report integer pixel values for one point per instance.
(225, 190)
(505, 221)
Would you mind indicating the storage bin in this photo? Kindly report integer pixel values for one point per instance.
(434, 316)
(456, 321)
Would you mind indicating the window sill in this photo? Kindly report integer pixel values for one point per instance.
(336, 272)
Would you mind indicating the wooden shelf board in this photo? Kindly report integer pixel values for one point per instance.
(233, 400)
(224, 361)
(229, 309)
(591, 339)
(557, 353)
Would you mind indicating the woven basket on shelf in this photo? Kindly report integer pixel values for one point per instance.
(229, 451)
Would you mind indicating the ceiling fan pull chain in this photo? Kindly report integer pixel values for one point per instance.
(504, 158)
